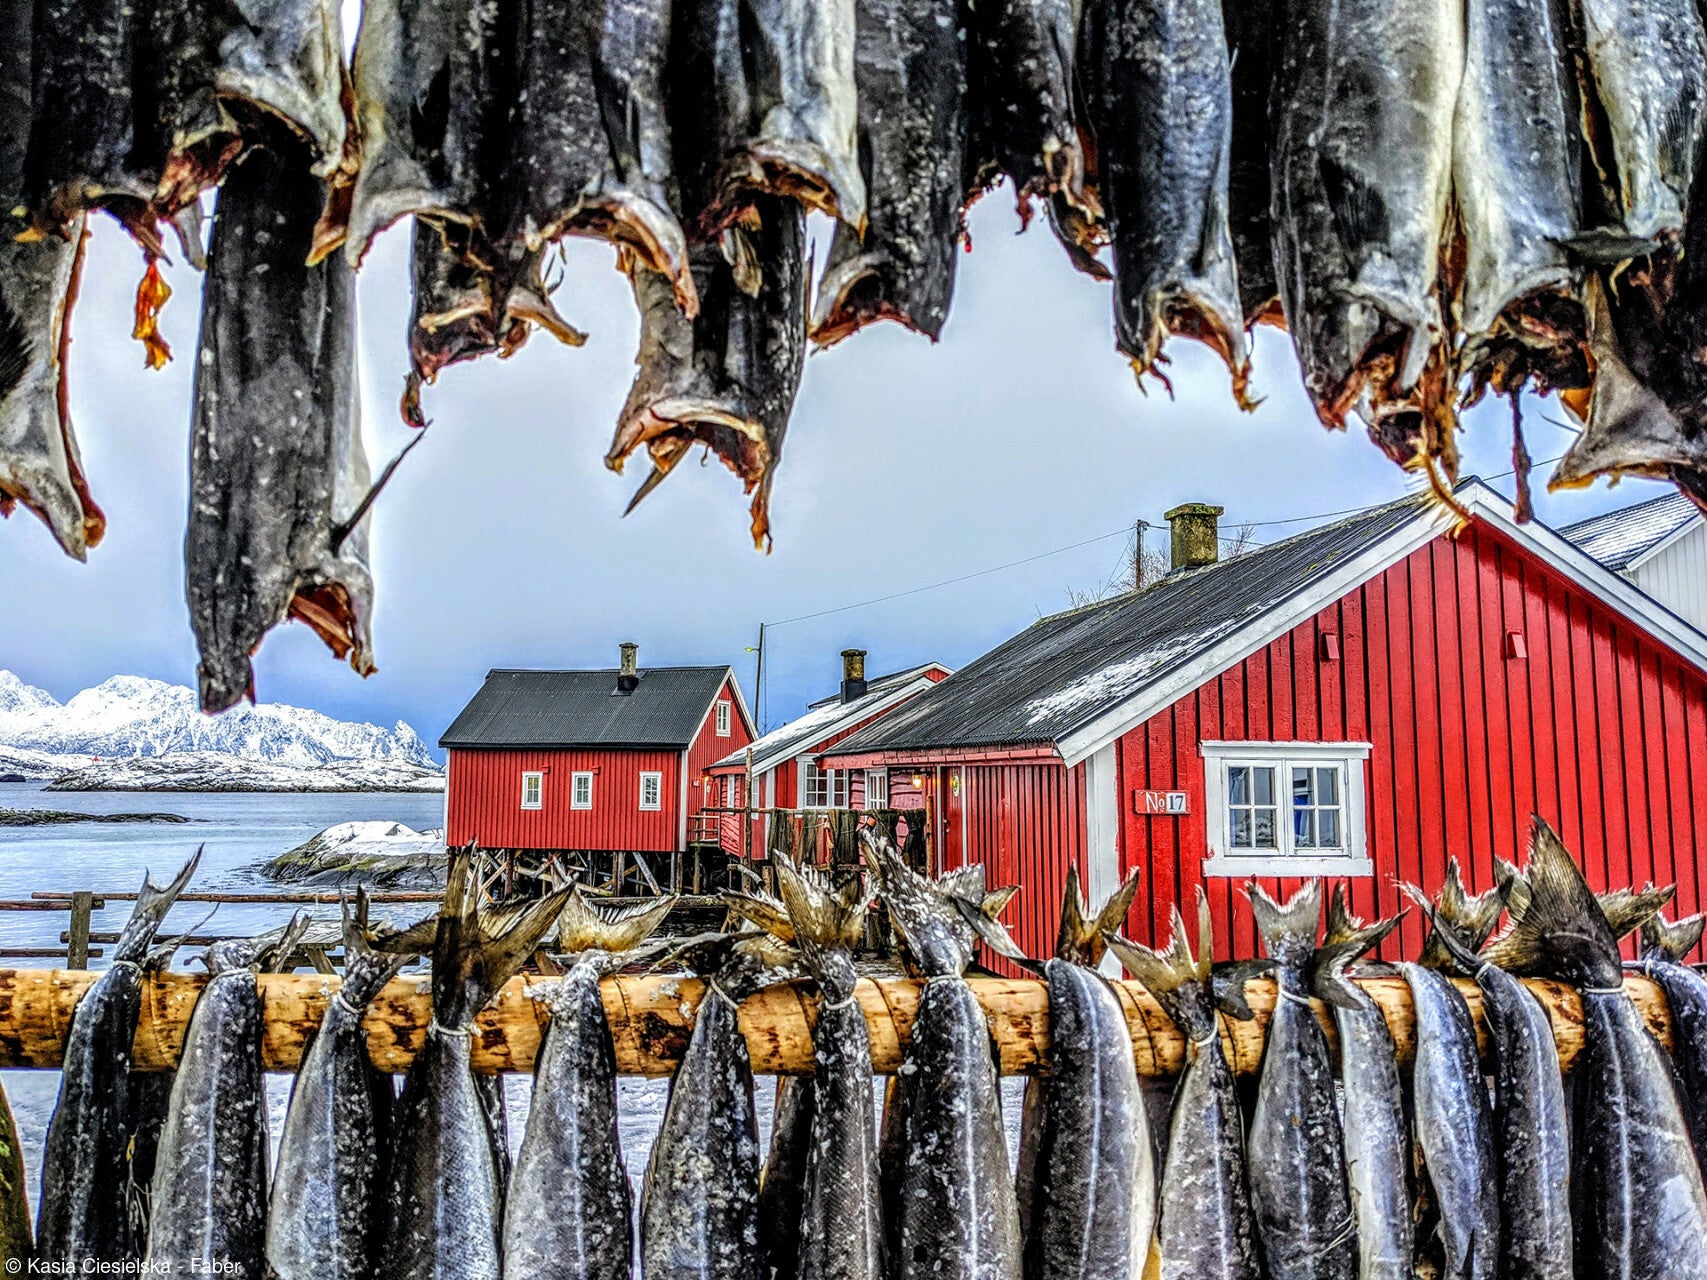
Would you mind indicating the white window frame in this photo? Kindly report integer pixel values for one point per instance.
(575, 801)
(537, 777)
(657, 780)
(1224, 860)
(807, 768)
(724, 717)
(883, 802)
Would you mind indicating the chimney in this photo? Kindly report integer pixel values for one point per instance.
(1196, 534)
(629, 676)
(853, 674)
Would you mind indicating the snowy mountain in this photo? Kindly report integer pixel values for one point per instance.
(129, 718)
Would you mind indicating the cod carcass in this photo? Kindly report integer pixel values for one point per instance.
(1206, 1229)
(83, 1222)
(324, 1215)
(568, 1212)
(1664, 945)
(208, 1209)
(279, 483)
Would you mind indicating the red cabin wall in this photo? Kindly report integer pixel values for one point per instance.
(707, 748)
(1600, 730)
(484, 801)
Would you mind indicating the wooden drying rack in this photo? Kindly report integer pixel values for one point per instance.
(651, 1016)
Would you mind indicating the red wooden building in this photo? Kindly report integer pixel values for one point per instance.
(609, 761)
(1362, 701)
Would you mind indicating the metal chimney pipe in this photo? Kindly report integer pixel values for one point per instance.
(853, 674)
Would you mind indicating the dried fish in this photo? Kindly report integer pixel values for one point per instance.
(1021, 58)
(1251, 40)
(910, 63)
(727, 378)
(278, 474)
(1664, 946)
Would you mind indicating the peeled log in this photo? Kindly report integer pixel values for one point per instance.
(651, 1016)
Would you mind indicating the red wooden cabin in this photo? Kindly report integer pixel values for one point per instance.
(1359, 701)
(608, 761)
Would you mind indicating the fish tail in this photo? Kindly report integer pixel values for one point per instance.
(276, 957)
(365, 970)
(1178, 980)
(1472, 916)
(824, 917)
(1664, 940)
(1626, 910)
(589, 924)
(1561, 931)
(1346, 939)
(760, 908)
(1081, 938)
(1288, 929)
(1444, 932)
(152, 904)
(475, 952)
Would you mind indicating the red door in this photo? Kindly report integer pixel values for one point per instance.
(949, 798)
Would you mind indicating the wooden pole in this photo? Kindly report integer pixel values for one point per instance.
(77, 937)
(651, 1017)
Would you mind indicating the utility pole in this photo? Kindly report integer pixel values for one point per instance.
(759, 681)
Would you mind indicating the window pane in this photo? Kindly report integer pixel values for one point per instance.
(1327, 786)
(1241, 828)
(1301, 794)
(1328, 822)
(1263, 777)
(1239, 785)
(1304, 828)
(1263, 824)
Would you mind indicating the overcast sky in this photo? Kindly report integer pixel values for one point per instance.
(501, 542)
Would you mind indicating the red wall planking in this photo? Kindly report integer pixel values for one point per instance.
(486, 801)
(708, 748)
(1600, 729)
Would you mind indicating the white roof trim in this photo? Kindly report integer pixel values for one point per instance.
(765, 763)
(741, 702)
(1556, 552)
(1693, 525)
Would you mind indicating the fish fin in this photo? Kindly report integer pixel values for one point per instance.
(1472, 915)
(152, 903)
(344, 528)
(414, 939)
(476, 951)
(366, 971)
(1663, 940)
(994, 935)
(1227, 985)
(1081, 939)
(760, 908)
(1347, 938)
(1177, 979)
(1456, 947)
(823, 918)
(592, 924)
(1626, 910)
(275, 958)
(1288, 929)
(1562, 932)
(937, 934)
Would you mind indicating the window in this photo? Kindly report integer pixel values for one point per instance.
(731, 792)
(651, 791)
(723, 718)
(877, 788)
(822, 788)
(581, 791)
(1285, 808)
(533, 791)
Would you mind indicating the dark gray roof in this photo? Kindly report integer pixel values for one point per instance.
(583, 709)
(824, 719)
(1620, 538)
(1064, 671)
(881, 684)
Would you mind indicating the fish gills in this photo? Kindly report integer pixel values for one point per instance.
(1454, 1124)
(699, 1205)
(1094, 1189)
(910, 62)
(727, 378)
(277, 458)
(324, 1216)
(1296, 1149)
(85, 1166)
(568, 1212)
(1516, 169)
(1162, 108)
(1206, 1229)
(1364, 98)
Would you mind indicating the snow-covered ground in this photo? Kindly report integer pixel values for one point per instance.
(134, 734)
(378, 853)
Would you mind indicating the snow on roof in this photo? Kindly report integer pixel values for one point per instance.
(824, 720)
(1621, 539)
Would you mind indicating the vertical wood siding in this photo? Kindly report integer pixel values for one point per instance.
(485, 801)
(1600, 730)
(707, 748)
(1677, 577)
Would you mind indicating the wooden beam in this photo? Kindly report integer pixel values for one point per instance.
(651, 1017)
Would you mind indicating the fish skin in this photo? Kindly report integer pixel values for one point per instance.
(1647, 64)
(85, 1167)
(1454, 1125)
(1021, 59)
(1364, 97)
(1206, 1229)
(16, 1238)
(699, 1204)
(1686, 996)
(208, 1203)
(782, 1180)
(445, 1192)
(149, 1104)
(428, 78)
(1160, 102)
(286, 58)
(1296, 1147)
(1251, 40)
(277, 457)
(590, 150)
(323, 1217)
(910, 64)
(1517, 181)
(727, 378)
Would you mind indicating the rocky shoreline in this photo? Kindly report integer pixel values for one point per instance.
(62, 817)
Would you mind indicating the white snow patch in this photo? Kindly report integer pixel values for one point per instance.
(1118, 679)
